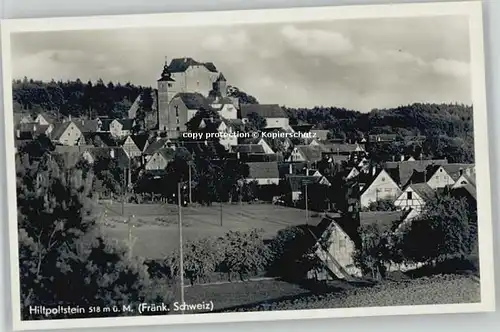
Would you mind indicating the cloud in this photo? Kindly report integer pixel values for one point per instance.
(316, 42)
(449, 67)
(237, 40)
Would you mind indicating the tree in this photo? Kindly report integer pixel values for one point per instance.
(201, 258)
(291, 250)
(60, 246)
(381, 205)
(256, 122)
(374, 252)
(244, 253)
(445, 226)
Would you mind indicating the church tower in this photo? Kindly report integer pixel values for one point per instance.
(221, 86)
(167, 89)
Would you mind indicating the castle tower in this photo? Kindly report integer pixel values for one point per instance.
(221, 86)
(167, 89)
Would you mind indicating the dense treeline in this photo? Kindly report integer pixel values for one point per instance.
(74, 98)
(452, 120)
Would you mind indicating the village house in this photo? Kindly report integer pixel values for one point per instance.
(414, 196)
(381, 187)
(67, 133)
(259, 141)
(134, 145)
(265, 173)
(156, 144)
(31, 130)
(464, 180)
(297, 183)
(120, 128)
(446, 175)
(275, 116)
(22, 117)
(306, 153)
(160, 159)
(379, 138)
(100, 139)
(404, 171)
(44, 119)
(88, 126)
(338, 239)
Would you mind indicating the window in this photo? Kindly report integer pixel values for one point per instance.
(388, 190)
(176, 110)
(464, 182)
(441, 170)
(383, 178)
(169, 85)
(342, 243)
(409, 195)
(177, 120)
(178, 129)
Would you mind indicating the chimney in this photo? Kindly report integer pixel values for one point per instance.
(238, 155)
(18, 133)
(290, 169)
(69, 117)
(393, 158)
(402, 157)
(374, 170)
(112, 153)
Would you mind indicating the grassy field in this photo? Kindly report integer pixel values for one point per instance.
(279, 295)
(156, 226)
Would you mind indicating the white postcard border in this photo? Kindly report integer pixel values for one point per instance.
(471, 9)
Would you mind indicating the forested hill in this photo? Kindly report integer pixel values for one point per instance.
(452, 120)
(75, 97)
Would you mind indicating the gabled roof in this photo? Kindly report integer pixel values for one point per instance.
(422, 189)
(341, 147)
(18, 116)
(106, 138)
(248, 148)
(467, 189)
(87, 126)
(140, 140)
(369, 179)
(266, 111)
(401, 171)
(116, 153)
(262, 170)
(193, 100)
(179, 65)
(167, 153)
(296, 182)
(59, 129)
(221, 78)
(311, 153)
(454, 170)
(155, 146)
(127, 124)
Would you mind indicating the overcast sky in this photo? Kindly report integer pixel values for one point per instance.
(357, 64)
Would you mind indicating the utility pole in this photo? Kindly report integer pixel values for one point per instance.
(307, 206)
(181, 261)
(221, 213)
(190, 196)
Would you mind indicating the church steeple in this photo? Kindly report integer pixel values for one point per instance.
(166, 75)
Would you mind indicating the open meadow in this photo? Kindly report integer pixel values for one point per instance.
(155, 226)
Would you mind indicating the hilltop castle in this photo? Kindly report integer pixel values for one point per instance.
(185, 86)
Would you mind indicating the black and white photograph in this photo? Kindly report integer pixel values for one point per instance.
(247, 165)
